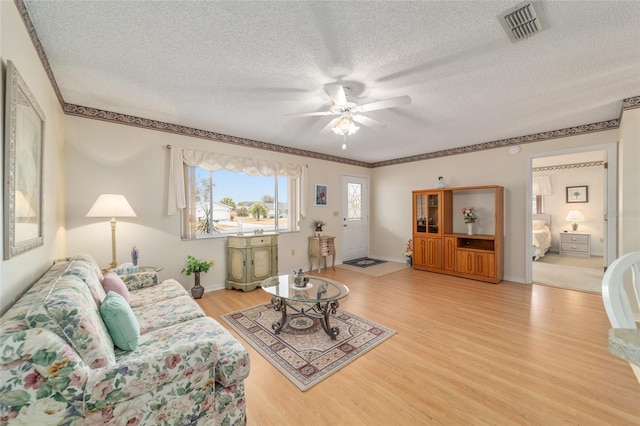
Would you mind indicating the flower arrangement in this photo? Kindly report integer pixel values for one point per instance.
(408, 250)
(318, 224)
(469, 214)
(195, 265)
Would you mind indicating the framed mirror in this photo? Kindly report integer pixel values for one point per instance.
(24, 142)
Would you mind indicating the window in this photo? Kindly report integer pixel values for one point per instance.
(222, 202)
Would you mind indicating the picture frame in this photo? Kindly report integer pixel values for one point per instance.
(321, 193)
(23, 160)
(577, 194)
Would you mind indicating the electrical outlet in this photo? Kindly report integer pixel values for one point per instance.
(293, 252)
(336, 213)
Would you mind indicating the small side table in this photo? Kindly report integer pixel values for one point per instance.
(321, 247)
(575, 244)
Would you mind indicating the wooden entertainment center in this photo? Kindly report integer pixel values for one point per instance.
(440, 239)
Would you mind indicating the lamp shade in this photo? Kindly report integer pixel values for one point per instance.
(575, 216)
(111, 205)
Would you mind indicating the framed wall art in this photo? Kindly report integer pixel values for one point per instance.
(577, 194)
(24, 141)
(321, 195)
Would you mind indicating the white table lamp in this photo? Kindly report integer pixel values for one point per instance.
(112, 205)
(575, 216)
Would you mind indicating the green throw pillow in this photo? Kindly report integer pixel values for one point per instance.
(120, 321)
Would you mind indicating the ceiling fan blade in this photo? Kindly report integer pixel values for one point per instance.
(387, 103)
(336, 92)
(330, 125)
(310, 114)
(369, 122)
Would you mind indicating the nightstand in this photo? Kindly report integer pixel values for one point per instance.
(575, 244)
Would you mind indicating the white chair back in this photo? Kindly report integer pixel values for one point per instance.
(614, 295)
(615, 298)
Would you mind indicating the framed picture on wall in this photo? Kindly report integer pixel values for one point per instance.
(577, 194)
(321, 195)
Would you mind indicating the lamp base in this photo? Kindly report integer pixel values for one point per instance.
(574, 226)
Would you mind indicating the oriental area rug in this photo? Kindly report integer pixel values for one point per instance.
(303, 352)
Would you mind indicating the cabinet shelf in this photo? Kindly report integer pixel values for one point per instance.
(438, 248)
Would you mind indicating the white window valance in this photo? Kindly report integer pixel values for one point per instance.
(541, 185)
(214, 161)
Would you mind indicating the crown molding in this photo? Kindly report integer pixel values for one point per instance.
(97, 114)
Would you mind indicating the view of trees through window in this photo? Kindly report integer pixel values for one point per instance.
(222, 202)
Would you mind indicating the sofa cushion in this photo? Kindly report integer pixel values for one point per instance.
(112, 282)
(85, 268)
(15, 318)
(167, 289)
(70, 311)
(155, 316)
(120, 321)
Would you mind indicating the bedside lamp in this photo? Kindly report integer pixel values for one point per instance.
(575, 216)
(112, 205)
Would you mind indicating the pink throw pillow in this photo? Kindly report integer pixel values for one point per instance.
(113, 282)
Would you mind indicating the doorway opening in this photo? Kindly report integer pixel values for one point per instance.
(570, 239)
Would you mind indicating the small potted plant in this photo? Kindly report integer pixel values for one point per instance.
(408, 252)
(440, 183)
(317, 224)
(195, 267)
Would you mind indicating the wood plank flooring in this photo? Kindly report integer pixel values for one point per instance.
(466, 352)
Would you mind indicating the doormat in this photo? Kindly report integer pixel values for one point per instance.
(363, 262)
(303, 352)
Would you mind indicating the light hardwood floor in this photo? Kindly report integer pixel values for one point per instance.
(466, 352)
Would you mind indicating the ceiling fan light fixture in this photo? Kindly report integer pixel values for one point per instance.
(345, 126)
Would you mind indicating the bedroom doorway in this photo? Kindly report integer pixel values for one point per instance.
(579, 182)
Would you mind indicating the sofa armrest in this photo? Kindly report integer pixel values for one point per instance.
(166, 356)
(36, 365)
(140, 280)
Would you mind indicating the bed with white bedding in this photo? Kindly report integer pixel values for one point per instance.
(541, 235)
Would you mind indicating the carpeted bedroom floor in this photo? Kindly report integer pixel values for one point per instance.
(571, 272)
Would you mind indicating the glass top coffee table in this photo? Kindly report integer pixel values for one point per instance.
(318, 298)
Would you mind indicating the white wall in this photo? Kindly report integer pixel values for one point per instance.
(392, 186)
(22, 270)
(110, 158)
(593, 211)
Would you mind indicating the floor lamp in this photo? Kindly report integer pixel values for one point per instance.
(112, 205)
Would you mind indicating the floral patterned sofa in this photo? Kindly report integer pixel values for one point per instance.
(60, 366)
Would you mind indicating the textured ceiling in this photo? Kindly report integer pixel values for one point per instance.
(237, 68)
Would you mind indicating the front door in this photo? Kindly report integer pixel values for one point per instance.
(355, 217)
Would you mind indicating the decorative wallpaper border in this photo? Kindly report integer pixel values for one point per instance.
(520, 140)
(569, 166)
(145, 123)
(114, 117)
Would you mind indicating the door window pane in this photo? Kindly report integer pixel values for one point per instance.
(354, 201)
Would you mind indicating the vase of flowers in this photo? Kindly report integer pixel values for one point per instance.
(470, 217)
(318, 224)
(408, 252)
(195, 267)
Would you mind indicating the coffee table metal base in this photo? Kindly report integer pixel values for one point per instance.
(320, 311)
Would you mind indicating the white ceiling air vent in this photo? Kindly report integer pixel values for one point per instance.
(523, 20)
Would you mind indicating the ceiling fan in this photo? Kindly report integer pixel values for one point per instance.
(350, 112)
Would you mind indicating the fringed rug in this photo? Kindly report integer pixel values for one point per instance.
(303, 352)
(363, 262)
